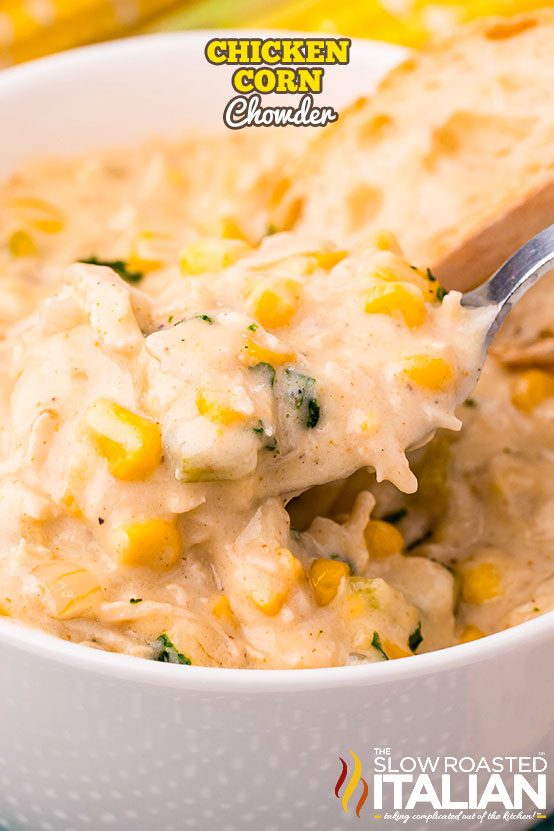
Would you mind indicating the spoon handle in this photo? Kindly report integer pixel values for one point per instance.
(514, 278)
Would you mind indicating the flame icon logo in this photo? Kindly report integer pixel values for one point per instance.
(351, 785)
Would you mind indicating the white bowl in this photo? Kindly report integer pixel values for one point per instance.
(90, 740)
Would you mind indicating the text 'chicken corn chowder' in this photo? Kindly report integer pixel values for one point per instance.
(204, 440)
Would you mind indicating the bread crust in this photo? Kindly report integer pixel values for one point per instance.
(454, 153)
(483, 249)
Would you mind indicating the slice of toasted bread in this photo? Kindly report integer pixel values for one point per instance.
(454, 153)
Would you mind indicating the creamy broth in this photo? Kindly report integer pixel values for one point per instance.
(162, 422)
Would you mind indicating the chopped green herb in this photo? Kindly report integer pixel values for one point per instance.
(430, 276)
(135, 600)
(270, 230)
(167, 652)
(376, 644)
(536, 609)
(299, 391)
(262, 430)
(265, 368)
(252, 327)
(441, 293)
(298, 385)
(205, 318)
(119, 266)
(415, 638)
(314, 411)
(170, 319)
(395, 516)
(470, 402)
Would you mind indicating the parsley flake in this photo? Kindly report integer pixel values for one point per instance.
(166, 652)
(120, 268)
(415, 638)
(376, 644)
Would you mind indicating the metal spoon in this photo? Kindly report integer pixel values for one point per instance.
(514, 278)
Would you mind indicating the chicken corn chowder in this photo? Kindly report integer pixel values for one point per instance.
(231, 447)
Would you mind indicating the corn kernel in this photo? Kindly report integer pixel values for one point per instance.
(207, 255)
(39, 214)
(388, 275)
(329, 259)
(279, 190)
(276, 303)
(155, 543)
(21, 244)
(270, 600)
(398, 300)
(370, 424)
(394, 651)
(217, 410)
(175, 176)
(480, 582)
(150, 250)
(230, 229)
(398, 271)
(385, 241)
(255, 353)
(269, 604)
(131, 444)
(290, 215)
(428, 371)
(531, 388)
(221, 609)
(325, 578)
(356, 605)
(471, 633)
(70, 504)
(68, 589)
(289, 564)
(367, 588)
(225, 227)
(382, 539)
(292, 266)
